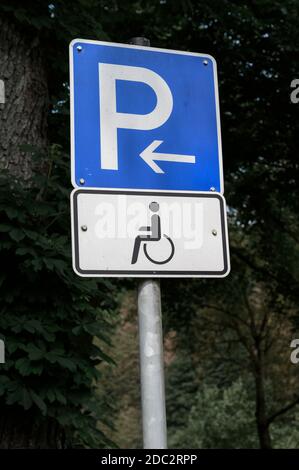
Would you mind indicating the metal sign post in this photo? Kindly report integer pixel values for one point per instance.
(146, 164)
(152, 365)
(151, 354)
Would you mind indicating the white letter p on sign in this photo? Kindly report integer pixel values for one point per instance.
(111, 120)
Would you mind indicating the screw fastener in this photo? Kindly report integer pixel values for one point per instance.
(205, 62)
(214, 232)
(212, 188)
(84, 228)
(82, 181)
(79, 48)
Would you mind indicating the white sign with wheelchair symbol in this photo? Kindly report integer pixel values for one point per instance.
(141, 234)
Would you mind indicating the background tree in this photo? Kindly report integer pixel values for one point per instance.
(256, 46)
(49, 317)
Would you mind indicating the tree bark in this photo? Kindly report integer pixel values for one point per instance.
(23, 116)
(261, 410)
(21, 429)
(23, 120)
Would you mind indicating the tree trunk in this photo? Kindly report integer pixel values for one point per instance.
(21, 429)
(23, 116)
(23, 119)
(261, 411)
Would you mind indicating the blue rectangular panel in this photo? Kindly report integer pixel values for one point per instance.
(144, 118)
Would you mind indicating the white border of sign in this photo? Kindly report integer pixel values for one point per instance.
(169, 51)
(149, 273)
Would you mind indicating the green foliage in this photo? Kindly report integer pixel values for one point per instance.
(48, 316)
(181, 387)
(285, 432)
(223, 418)
(220, 419)
(256, 47)
(122, 381)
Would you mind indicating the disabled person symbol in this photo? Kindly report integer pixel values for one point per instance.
(151, 233)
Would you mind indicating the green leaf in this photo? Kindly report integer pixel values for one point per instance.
(26, 251)
(5, 228)
(39, 402)
(23, 365)
(35, 353)
(27, 401)
(4, 382)
(51, 395)
(12, 213)
(60, 397)
(69, 364)
(17, 235)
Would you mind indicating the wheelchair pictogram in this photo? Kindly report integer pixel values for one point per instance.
(153, 235)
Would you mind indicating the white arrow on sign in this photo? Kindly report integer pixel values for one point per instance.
(149, 156)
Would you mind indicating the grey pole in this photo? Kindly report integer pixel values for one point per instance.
(151, 354)
(140, 41)
(152, 365)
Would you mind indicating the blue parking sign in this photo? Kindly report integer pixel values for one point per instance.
(144, 118)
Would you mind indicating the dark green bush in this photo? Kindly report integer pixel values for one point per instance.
(49, 316)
